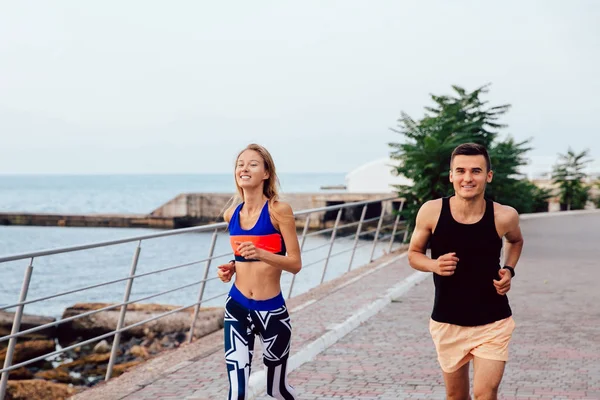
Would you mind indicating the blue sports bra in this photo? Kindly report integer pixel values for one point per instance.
(263, 234)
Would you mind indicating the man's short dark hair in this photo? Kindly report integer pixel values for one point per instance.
(472, 149)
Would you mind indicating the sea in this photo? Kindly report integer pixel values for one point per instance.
(136, 194)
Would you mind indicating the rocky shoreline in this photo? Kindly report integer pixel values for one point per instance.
(63, 375)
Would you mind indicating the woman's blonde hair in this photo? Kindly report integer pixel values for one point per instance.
(271, 184)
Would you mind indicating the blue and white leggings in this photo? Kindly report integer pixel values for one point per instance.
(244, 319)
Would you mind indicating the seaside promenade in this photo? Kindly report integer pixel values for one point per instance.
(365, 335)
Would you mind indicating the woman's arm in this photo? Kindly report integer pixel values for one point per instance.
(228, 213)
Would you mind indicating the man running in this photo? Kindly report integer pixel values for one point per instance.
(471, 318)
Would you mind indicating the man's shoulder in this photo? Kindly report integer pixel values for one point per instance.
(430, 211)
(504, 209)
(504, 213)
(434, 205)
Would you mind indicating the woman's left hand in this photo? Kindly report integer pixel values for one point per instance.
(249, 251)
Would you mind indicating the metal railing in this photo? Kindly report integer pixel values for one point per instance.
(387, 220)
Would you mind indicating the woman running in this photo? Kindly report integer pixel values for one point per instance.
(264, 241)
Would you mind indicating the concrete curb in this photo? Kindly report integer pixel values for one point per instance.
(558, 214)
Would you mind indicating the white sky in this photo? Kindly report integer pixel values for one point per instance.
(166, 87)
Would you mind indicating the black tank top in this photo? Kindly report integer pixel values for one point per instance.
(468, 297)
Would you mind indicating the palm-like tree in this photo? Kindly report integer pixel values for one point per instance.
(569, 175)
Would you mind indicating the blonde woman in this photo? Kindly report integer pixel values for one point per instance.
(264, 241)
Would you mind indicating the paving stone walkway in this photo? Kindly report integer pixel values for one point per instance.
(555, 351)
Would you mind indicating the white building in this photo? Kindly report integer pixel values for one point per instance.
(375, 177)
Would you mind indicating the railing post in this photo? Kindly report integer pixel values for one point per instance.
(211, 251)
(302, 240)
(121, 321)
(405, 234)
(393, 233)
(395, 226)
(337, 221)
(360, 222)
(377, 232)
(16, 326)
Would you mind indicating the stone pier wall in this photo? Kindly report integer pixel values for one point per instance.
(192, 209)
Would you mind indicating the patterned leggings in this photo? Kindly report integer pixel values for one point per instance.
(244, 319)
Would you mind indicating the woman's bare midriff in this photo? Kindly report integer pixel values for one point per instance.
(257, 280)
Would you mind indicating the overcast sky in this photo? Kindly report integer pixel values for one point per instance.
(181, 86)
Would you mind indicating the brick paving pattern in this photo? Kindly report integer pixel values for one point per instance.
(555, 351)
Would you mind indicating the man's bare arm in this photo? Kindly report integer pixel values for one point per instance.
(426, 219)
(514, 238)
(418, 242)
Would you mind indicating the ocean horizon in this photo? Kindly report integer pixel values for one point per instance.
(129, 193)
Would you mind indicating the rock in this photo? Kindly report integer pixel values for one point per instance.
(139, 352)
(35, 389)
(56, 374)
(28, 350)
(209, 320)
(148, 334)
(180, 337)
(60, 375)
(28, 321)
(155, 347)
(20, 373)
(118, 369)
(134, 341)
(88, 360)
(102, 347)
(166, 341)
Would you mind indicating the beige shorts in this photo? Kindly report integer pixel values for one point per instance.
(457, 345)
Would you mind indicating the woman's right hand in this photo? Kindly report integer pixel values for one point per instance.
(226, 271)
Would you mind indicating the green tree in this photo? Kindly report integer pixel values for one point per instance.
(424, 155)
(526, 196)
(539, 198)
(597, 197)
(569, 175)
(508, 185)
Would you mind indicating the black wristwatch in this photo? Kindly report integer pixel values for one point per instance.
(511, 269)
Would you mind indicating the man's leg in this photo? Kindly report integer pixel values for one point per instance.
(457, 383)
(490, 358)
(487, 375)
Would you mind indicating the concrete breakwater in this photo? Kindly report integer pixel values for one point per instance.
(86, 220)
(192, 209)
